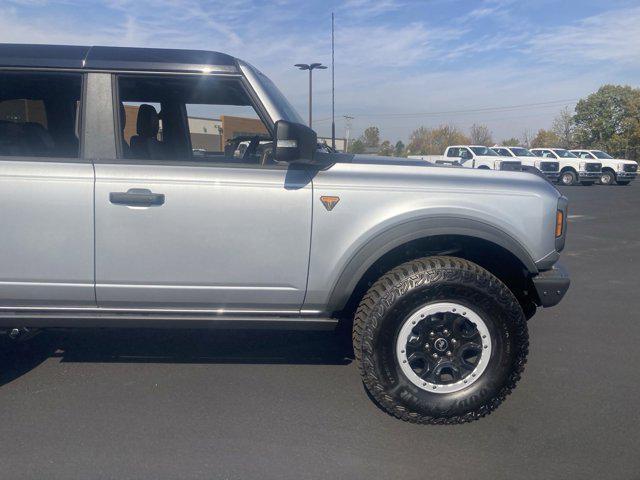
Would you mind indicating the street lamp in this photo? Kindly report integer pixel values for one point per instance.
(311, 67)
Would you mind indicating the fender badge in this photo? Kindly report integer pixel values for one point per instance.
(329, 202)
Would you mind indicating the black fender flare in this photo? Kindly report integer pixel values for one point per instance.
(400, 234)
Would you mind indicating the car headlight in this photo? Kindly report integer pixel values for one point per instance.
(583, 166)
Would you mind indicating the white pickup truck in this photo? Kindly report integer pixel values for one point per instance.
(549, 168)
(572, 168)
(471, 156)
(614, 170)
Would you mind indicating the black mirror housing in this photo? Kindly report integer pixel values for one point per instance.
(295, 143)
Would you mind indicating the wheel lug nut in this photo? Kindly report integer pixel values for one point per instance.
(432, 334)
(427, 346)
(445, 331)
(449, 353)
(435, 355)
(454, 341)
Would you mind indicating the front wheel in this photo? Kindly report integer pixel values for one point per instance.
(568, 178)
(440, 340)
(607, 178)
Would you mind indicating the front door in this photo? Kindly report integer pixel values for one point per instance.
(195, 214)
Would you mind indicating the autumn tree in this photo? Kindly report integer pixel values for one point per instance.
(371, 137)
(481, 135)
(510, 142)
(563, 126)
(545, 138)
(433, 141)
(386, 149)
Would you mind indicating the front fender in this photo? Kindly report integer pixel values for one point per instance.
(399, 234)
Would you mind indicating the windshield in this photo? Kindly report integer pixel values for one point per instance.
(484, 151)
(521, 152)
(562, 153)
(601, 154)
(275, 99)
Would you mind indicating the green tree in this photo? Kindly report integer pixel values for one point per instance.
(481, 135)
(433, 141)
(563, 126)
(609, 120)
(371, 137)
(510, 142)
(356, 146)
(399, 149)
(386, 149)
(545, 138)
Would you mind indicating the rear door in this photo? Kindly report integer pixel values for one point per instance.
(46, 193)
(193, 213)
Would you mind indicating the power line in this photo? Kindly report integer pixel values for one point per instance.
(504, 108)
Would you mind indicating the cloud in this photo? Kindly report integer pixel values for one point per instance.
(391, 55)
(612, 36)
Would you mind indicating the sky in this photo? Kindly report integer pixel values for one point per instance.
(399, 64)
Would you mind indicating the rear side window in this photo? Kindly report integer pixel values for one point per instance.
(39, 114)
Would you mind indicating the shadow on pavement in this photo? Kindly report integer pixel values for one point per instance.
(176, 346)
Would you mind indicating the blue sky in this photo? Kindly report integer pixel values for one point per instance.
(400, 64)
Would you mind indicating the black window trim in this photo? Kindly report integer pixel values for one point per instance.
(80, 157)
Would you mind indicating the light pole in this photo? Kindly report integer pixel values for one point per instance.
(311, 67)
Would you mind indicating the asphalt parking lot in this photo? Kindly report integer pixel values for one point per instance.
(245, 405)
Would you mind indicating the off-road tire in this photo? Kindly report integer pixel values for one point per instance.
(410, 286)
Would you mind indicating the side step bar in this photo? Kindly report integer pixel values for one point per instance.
(96, 319)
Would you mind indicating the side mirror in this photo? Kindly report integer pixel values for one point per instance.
(295, 143)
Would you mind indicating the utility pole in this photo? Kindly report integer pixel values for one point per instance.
(347, 126)
(311, 67)
(333, 84)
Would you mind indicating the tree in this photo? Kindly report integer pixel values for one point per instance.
(356, 146)
(433, 141)
(510, 142)
(526, 137)
(545, 138)
(608, 120)
(386, 149)
(399, 150)
(481, 135)
(563, 127)
(371, 137)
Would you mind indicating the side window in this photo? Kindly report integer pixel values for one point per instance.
(585, 155)
(453, 152)
(503, 152)
(208, 119)
(548, 154)
(465, 153)
(39, 114)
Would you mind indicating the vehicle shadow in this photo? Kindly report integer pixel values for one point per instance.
(176, 346)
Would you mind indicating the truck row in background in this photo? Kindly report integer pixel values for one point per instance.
(568, 167)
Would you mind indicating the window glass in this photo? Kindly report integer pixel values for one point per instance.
(521, 152)
(484, 152)
(38, 114)
(453, 152)
(602, 155)
(191, 118)
(503, 152)
(562, 153)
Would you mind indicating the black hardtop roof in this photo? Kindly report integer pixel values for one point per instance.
(114, 58)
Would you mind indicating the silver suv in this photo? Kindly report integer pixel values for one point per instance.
(127, 202)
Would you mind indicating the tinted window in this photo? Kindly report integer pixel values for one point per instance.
(503, 152)
(584, 154)
(602, 155)
(562, 153)
(453, 152)
(484, 152)
(191, 118)
(38, 114)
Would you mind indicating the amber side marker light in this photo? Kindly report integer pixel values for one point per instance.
(559, 223)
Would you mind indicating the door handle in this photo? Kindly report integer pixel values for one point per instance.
(137, 197)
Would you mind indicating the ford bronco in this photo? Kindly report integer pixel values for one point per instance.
(126, 203)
